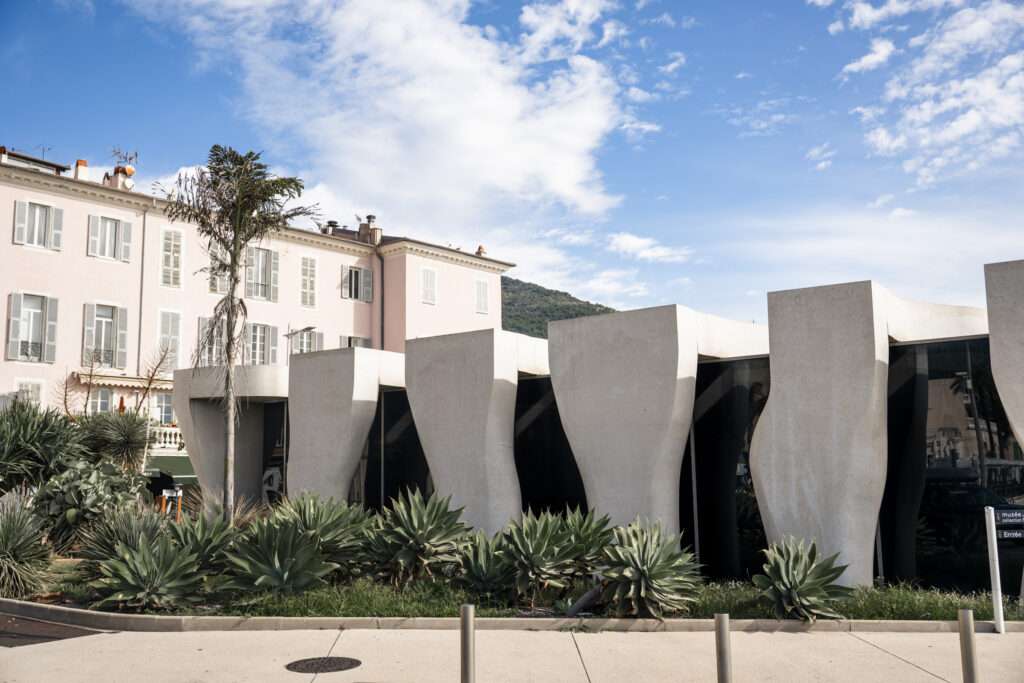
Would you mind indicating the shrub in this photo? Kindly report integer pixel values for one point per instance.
(275, 555)
(797, 584)
(152, 575)
(646, 574)
(415, 538)
(541, 551)
(341, 529)
(23, 557)
(125, 527)
(486, 568)
(69, 502)
(590, 534)
(207, 536)
(35, 444)
(121, 436)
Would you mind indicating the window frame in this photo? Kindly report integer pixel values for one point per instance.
(29, 203)
(96, 346)
(164, 231)
(26, 358)
(160, 408)
(423, 288)
(253, 343)
(95, 397)
(114, 240)
(41, 383)
(487, 297)
(309, 284)
(262, 269)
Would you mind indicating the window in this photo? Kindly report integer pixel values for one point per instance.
(261, 348)
(99, 400)
(38, 225)
(170, 263)
(357, 283)
(428, 286)
(481, 296)
(261, 274)
(218, 278)
(31, 340)
(170, 333)
(30, 390)
(165, 408)
(307, 282)
(212, 344)
(110, 238)
(304, 342)
(349, 342)
(107, 245)
(103, 347)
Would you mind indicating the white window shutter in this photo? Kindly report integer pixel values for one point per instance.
(14, 328)
(247, 350)
(481, 296)
(204, 329)
(343, 342)
(20, 222)
(175, 340)
(344, 282)
(56, 228)
(318, 341)
(125, 253)
(89, 335)
(250, 272)
(94, 235)
(50, 335)
(271, 348)
(428, 286)
(367, 284)
(274, 264)
(121, 350)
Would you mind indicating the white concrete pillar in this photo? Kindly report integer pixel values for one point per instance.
(624, 383)
(1004, 288)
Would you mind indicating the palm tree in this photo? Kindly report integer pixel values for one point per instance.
(233, 200)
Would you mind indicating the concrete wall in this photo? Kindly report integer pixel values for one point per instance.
(331, 410)
(462, 391)
(1004, 286)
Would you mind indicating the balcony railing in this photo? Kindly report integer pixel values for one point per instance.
(31, 351)
(167, 439)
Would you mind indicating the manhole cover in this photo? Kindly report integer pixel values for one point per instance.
(322, 665)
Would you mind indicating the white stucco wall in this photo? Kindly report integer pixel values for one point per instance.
(1004, 287)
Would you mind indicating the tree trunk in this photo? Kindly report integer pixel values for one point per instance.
(229, 391)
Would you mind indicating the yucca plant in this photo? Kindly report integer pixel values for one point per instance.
(207, 536)
(118, 527)
(24, 559)
(341, 529)
(590, 535)
(797, 583)
(35, 444)
(121, 436)
(246, 510)
(646, 574)
(485, 567)
(541, 551)
(415, 538)
(153, 575)
(275, 555)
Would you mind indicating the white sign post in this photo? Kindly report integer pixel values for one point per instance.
(993, 569)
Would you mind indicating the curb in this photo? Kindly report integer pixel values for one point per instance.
(108, 621)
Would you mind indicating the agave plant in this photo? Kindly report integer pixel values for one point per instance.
(341, 529)
(646, 574)
(24, 559)
(275, 555)
(415, 538)
(486, 568)
(590, 534)
(798, 584)
(124, 527)
(542, 552)
(207, 536)
(121, 436)
(35, 444)
(152, 575)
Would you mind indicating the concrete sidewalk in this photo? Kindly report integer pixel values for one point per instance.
(421, 655)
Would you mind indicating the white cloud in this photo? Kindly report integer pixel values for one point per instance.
(743, 74)
(766, 117)
(637, 95)
(835, 27)
(822, 155)
(885, 143)
(881, 50)
(665, 19)
(882, 200)
(688, 22)
(820, 3)
(900, 212)
(868, 113)
(678, 61)
(636, 129)
(608, 285)
(640, 4)
(864, 15)
(611, 31)
(646, 248)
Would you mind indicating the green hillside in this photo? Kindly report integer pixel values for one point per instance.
(527, 308)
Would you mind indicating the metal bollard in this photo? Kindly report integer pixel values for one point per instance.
(468, 644)
(722, 651)
(968, 652)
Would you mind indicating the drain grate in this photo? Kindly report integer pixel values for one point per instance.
(322, 665)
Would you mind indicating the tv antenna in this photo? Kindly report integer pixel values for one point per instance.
(123, 158)
(43, 149)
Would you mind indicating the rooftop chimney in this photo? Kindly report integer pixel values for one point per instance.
(81, 170)
(329, 228)
(120, 179)
(480, 251)
(368, 231)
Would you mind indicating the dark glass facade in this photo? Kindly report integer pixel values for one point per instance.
(724, 526)
(951, 453)
(403, 465)
(548, 476)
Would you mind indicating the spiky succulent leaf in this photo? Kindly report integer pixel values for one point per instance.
(342, 530)
(796, 584)
(275, 555)
(152, 575)
(24, 559)
(590, 535)
(542, 553)
(121, 526)
(207, 536)
(36, 444)
(485, 566)
(646, 574)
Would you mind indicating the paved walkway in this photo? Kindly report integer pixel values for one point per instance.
(421, 655)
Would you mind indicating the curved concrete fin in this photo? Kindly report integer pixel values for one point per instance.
(1004, 287)
(624, 383)
(462, 391)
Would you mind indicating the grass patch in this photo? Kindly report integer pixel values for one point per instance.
(735, 598)
(906, 601)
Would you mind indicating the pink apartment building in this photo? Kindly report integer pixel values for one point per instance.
(93, 270)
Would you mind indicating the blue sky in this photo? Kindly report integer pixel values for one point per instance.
(634, 153)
